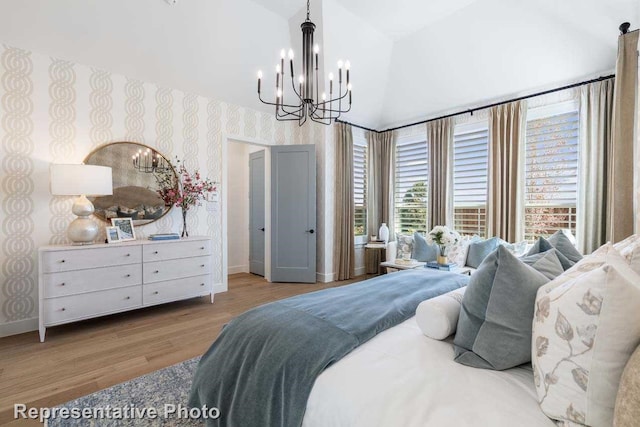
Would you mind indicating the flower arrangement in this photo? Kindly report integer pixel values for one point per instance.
(444, 237)
(187, 191)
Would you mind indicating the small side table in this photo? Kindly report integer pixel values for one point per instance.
(374, 253)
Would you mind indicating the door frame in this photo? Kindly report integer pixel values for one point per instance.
(225, 140)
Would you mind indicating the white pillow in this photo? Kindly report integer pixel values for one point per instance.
(458, 252)
(437, 317)
(621, 245)
(584, 332)
(631, 252)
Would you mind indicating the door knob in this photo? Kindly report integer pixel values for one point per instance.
(311, 231)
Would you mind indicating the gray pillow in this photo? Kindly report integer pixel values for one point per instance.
(424, 251)
(561, 242)
(546, 263)
(478, 251)
(542, 245)
(494, 328)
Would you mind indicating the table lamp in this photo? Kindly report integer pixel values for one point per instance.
(82, 181)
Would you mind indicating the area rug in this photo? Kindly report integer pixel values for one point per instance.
(168, 386)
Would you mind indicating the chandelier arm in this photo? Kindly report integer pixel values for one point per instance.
(295, 114)
(299, 109)
(276, 104)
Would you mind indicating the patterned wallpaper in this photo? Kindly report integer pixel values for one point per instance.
(58, 111)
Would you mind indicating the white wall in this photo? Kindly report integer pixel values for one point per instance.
(238, 207)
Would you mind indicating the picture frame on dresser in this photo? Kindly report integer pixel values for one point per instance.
(125, 227)
(113, 234)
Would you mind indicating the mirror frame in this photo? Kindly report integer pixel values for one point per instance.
(144, 147)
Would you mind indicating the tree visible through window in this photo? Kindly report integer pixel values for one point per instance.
(411, 187)
(551, 174)
(360, 185)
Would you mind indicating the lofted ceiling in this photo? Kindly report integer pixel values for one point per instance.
(411, 59)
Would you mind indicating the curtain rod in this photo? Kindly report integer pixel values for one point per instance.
(495, 104)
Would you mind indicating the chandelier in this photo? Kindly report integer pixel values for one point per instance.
(149, 161)
(306, 104)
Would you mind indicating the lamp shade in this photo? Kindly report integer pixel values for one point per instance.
(76, 180)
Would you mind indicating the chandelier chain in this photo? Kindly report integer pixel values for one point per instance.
(308, 8)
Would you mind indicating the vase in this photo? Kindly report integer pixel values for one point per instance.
(383, 232)
(185, 233)
(442, 258)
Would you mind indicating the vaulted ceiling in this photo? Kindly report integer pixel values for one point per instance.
(411, 59)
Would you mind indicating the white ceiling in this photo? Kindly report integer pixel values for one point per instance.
(411, 59)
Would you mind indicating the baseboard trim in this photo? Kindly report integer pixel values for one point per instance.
(360, 271)
(19, 327)
(238, 269)
(324, 277)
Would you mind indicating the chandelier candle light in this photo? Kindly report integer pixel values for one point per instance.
(149, 161)
(318, 108)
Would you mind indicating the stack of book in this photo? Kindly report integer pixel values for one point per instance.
(446, 267)
(164, 236)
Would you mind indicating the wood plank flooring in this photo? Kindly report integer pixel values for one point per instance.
(81, 358)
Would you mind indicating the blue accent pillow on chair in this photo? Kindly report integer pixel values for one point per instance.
(564, 250)
(423, 251)
(478, 251)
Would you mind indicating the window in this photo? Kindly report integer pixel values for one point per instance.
(470, 168)
(360, 184)
(551, 170)
(411, 186)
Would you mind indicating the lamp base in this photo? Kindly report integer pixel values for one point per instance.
(82, 230)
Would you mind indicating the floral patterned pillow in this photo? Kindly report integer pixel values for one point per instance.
(405, 244)
(584, 332)
(458, 252)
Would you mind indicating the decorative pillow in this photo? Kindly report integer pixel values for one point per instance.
(424, 251)
(437, 317)
(561, 242)
(494, 329)
(458, 252)
(584, 332)
(543, 245)
(517, 249)
(627, 410)
(405, 245)
(632, 253)
(623, 244)
(546, 263)
(478, 251)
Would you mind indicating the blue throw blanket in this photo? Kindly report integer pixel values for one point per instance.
(260, 370)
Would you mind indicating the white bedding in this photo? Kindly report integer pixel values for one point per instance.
(402, 378)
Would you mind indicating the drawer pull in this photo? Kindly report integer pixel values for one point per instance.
(156, 293)
(128, 255)
(61, 260)
(62, 284)
(128, 275)
(128, 298)
(63, 309)
(201, 265)
(156, 271)
(201, 284)
(155, 252)
(202, 248)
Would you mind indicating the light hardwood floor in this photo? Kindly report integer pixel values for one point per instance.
(81, 358)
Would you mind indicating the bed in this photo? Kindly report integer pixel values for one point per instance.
(278, 365)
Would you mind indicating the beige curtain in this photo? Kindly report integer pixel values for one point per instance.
(344, 248)
(596, 110)
(505, 213)
(440, 196)
(620, 215)
(381, 152)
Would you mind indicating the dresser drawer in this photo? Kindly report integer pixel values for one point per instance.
(175, 269)
(173, 290)
(76, 307)
(96, 279)
(90, 258)
(175, 249)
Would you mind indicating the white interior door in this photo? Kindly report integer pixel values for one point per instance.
(293, 213)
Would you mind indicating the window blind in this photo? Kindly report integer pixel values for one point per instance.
(360, 186)
(470, 167)
(551, 174)
(411, 186)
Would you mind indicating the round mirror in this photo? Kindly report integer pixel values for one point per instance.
(140, 176)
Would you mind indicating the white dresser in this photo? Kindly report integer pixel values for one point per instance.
(82, 282)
